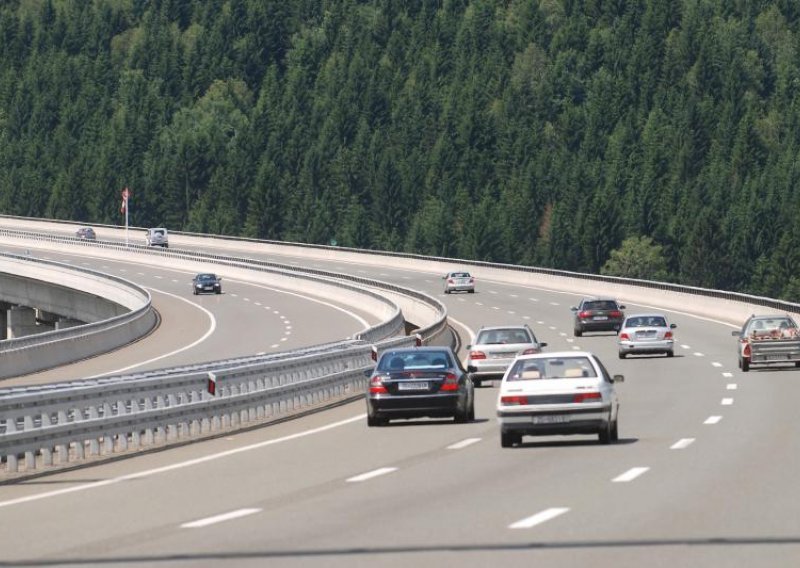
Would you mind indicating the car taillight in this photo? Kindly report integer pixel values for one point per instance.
(668, 335)
(450, 383)
(746, 351)
(477, 355)
(472, 281)
(624, 337)
(615, 314)
(585, 314)
(531, 351)
(451, 281)
(376, 385)
(587, 397)
(513, 400)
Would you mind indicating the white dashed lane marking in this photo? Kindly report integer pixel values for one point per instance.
(685, 347)
(463, 443)
(220, 518)
(698, 354)
(371, 474)
(682, 444)
(726, 401)
(712, 420)
(727, 375)
(716, 364)
(732, 386)
(630, 475)
(539, 518)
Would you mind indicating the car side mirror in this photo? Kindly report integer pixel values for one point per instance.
(618, 379)
(472, 369)
(574, 309)
(468, 347)
(543, 344)
(735, 333)
(622, 307)
(368, 373)
(673, 325)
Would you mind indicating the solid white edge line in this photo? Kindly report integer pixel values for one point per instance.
(539, 518)
(712, 420)
(182, 465)
(220, 518)
(370, 474)
(205, 336)
(463, 443)
(682, 444)
(630, 475)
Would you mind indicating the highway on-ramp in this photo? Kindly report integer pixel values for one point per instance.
(704, 474)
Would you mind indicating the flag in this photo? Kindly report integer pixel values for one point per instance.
(125, 195)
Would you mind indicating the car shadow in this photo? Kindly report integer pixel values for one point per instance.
(427, 422)
(574, 443)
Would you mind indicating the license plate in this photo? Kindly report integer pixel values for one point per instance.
(501, 355)
(600, 318)
(777, 358)
(416, 386)
(551, 419)
(463, 281)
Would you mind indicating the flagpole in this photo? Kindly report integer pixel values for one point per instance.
(127, 208)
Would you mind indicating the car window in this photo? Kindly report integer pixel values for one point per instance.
(404, 360)
(551, 368)
(600, 305)
(459, 274)
(501, 336)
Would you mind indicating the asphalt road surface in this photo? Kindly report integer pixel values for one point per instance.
(705, 473)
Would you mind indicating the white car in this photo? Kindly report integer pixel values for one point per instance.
(496, 347)
(569, 392)
(460, 281)
(157, 237)
(646, 333)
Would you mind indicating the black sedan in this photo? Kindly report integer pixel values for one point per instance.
(419, 381)
(86, 234)
(207, 282)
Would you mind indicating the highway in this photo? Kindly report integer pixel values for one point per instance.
(704, 473)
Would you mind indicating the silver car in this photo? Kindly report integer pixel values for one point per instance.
(157, 237)
(646, 333)
(459, 282)
(495, 348)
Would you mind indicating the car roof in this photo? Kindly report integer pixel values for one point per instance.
(646, 315)
(599, 298)
(512, 326)
(418, 349)
(557, 354)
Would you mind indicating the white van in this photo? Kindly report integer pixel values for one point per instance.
(157, 237)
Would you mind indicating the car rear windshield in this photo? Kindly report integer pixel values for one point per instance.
(500, 336)
(600, 305)
(459, 274)
(771, 324)
(551, 368)
(646, 321)
(402, 360)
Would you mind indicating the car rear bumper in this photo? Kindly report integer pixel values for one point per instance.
(605, 325)
(490, 368)
(574, 421)
(646, 346)
(398, 406)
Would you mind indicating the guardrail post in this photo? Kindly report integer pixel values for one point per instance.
(12, 463)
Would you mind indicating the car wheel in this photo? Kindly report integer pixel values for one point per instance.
(577, 332)
(670, 353)
(507, 439)
(622, 354)
(615, 431)
(472, 291)
(375, 421)
(604, 435)
(461, 416)
(797, 363)
(194, 292)
(219, 291)
(745, 365)
(471, 414)
(477, 383)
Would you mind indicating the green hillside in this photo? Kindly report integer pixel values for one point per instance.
(544, 132)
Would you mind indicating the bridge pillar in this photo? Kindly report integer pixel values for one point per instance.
(46, 320)
(21, 321)
(64, 323)
(4, 307)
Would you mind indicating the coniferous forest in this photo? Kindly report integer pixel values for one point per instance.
(542, 132)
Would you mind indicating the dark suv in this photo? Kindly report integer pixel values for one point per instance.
(597, 314)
